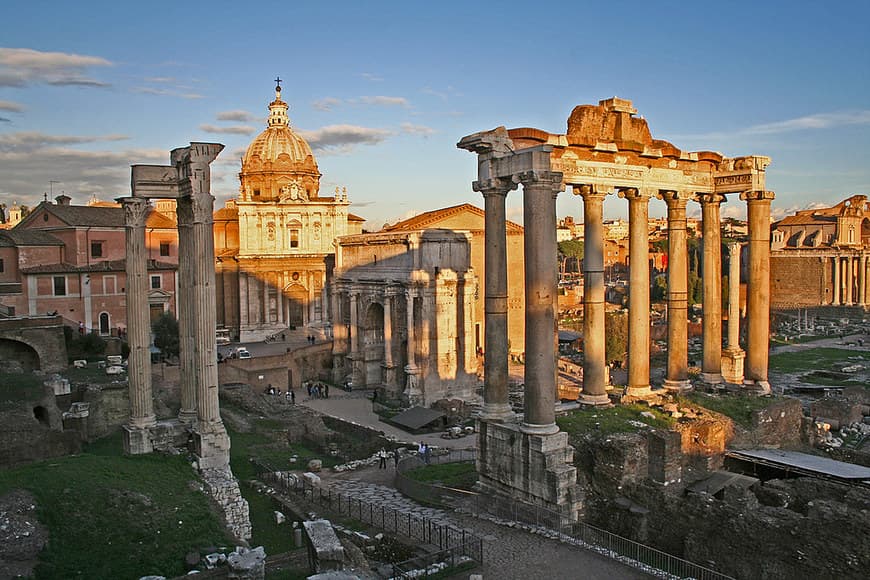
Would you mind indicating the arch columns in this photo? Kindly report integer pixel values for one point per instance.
(837, 293)
(638, 291)
(389, 367)
(732, 357)
(594, 371)
(758, 290)
(540, 189)
(678, 279)
(711, 366)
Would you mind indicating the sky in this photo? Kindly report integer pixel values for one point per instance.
(383, 91)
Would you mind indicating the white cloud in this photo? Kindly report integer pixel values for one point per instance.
(326, 103)
(342, 138)
(32, 140)
(11, 106)
(228, 130)
(412, 129)
(166, 93)
(371, 77)
(237, 115)
(384, 101)
(20, 67)
(808, 122)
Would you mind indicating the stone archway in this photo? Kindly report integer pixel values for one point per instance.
(297, 302)
(372, 334)
(18, 357)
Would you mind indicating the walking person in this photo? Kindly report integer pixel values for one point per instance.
(325, 390)
(382, 458)
(427, 454)
(396, 458)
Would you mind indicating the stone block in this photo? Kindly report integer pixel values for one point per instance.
(311, 478)
(245, 564)
(327, 548)
(58, 384)
(137, 441)
(315, 465)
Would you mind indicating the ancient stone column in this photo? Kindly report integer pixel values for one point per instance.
(711, 366)
(638, 292)
(849, 279)
(594, 372)
(411, 370)
(496, 406)
(733, 355)
(389, 369)
(540, 189)
(138, 325)
(836, 290)
(339, 334)
(758, 290)
(355, 356)
(187, 369)
(862, 280)
(678, 280)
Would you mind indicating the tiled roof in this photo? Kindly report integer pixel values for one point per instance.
(355, 218)
(104, 266)
(429, 218)
(96, 216)
(22, 237)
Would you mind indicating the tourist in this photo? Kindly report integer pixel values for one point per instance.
(396, 458)
(382, 458)
(81, 328)
(427, 454)
(292, 396)
(325, 391)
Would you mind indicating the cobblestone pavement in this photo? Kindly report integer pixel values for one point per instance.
(509, 553)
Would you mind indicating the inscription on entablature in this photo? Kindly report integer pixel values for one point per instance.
(724, 180)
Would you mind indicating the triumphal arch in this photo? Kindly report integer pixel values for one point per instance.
(606, 150)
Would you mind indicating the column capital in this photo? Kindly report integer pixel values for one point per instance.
(590, 192)
(710, 198)
(757, 196)
(184, 211)
(543, 179)
(202, 208)
(674, 198)
(633, 194)
(494, 186)
(135, 211)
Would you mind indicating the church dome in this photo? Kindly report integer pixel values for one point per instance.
(277, 159)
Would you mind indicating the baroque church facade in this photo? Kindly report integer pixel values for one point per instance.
(275, 243)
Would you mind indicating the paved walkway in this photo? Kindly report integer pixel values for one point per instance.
(509, 553)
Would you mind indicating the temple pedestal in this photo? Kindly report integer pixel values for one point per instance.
(732, 365)
(536, 469)
(137, 441)
(211, 444)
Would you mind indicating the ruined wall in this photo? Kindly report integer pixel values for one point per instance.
(32, 429)
(109, 409)
(779, 426)
(290, 369)
(797, 281)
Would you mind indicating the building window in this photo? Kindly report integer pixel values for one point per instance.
(256, 193)
(2, 266)
(164, 248)
(294, 238)
(155, 282)
(96, 249)
(60, 285)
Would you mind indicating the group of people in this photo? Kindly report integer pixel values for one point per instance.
(316, 389)
(383, 454)
(425, 452)
(276, 392)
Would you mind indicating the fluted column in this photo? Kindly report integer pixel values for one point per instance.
(138, 323)
(678, 281)
(389, 368)
(187, 347)
(540, 189)
(355, 356)
(758, 291)
(411, 371)
(496, 406)
(594, 372)
(339, 334)
(638, 292)
(849, 279)
(837, 294)
(862, 280)
(711, 366)
(204, 319)
(734, 295)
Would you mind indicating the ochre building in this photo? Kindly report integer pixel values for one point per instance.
(275, 243)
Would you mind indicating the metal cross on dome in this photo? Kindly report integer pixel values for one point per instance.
(278, 80)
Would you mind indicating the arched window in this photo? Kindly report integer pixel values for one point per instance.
(104, 323)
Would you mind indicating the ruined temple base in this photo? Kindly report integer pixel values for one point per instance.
(223, 487)
(732, 365)
(137, 441)
(533, 469)
(211, 444)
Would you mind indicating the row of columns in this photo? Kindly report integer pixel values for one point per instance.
(540, 190)
(850, 281)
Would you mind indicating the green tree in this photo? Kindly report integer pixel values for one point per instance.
(570, 252)
(165, 331)
(615, 336)
(659, 288)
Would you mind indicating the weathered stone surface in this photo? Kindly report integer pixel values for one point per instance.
(223, 488)
(245, 564)
(22, 536)
(325, 544)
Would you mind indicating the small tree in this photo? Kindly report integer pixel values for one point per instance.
(615, 336)
(165, 331)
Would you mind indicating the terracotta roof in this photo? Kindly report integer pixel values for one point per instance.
(95, 216)
(104, 266)
(23, 237)
(430, 218)
(227, 213)
(355, 218)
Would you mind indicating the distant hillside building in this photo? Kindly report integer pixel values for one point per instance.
(70, 259)
(819, 257)
(275, 243)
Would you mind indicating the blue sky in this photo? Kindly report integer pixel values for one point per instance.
(384, 90)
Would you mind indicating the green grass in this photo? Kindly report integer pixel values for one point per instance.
(738, 407)
(809, 359)
(455, 475)
(612, 420)
(116, 517)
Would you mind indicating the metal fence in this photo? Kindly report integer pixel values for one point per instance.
(418, 528)
(429, 493)
(429, 565)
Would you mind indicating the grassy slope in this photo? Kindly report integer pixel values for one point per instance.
(117, 517)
